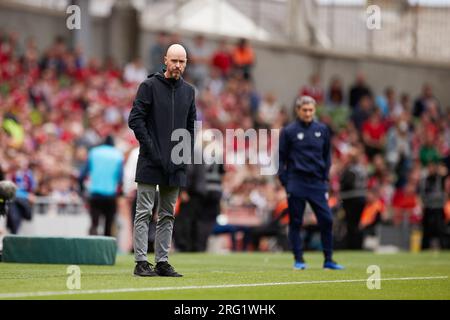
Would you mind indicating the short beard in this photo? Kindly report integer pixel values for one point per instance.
(175, 75)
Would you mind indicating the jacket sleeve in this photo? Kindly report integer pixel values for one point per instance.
(84, 173)
(327, 154)
(136, 121)
(190, 124)
(283, 153)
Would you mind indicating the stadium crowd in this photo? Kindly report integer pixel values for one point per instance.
(395, 147)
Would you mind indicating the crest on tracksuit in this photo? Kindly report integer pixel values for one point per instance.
(318, 134)
(300, 136)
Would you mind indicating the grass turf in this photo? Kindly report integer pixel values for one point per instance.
(243, 268)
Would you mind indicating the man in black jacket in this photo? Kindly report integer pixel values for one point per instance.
(433, 197)
(353, 183)
(164, 103)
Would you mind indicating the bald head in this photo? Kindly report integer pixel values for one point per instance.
(176, 49)
(175, 61)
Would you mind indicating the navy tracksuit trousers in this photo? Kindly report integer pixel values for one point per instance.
(319, 204)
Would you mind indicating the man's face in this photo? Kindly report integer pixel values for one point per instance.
(306, 112)
(176, 63)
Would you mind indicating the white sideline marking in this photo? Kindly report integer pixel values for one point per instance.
(75, 292)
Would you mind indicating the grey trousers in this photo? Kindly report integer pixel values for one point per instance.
(164, 226)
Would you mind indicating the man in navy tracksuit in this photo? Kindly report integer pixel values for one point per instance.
(304, 165)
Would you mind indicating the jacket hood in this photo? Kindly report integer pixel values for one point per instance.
(169, 81)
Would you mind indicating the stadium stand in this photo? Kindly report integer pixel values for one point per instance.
(55, 106)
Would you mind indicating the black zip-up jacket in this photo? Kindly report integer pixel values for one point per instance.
(161, 106)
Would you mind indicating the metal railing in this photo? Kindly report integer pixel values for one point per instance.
(58, 206)
(406, 30)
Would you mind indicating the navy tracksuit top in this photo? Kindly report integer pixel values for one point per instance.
(304, 157)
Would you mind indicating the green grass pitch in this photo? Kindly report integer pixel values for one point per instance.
(240, 276)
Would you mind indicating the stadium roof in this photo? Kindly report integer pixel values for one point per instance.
(431, 3)
(207, 16)
(102, 8)
(425, 3)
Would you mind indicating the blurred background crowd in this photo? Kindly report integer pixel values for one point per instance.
(390, 155)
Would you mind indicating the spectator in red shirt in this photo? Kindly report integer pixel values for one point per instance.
(314, 89)
(405, 203)
(111, 69)
(374, 132)
(222, 58)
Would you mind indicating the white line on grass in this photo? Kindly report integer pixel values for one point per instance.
(223, 286)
